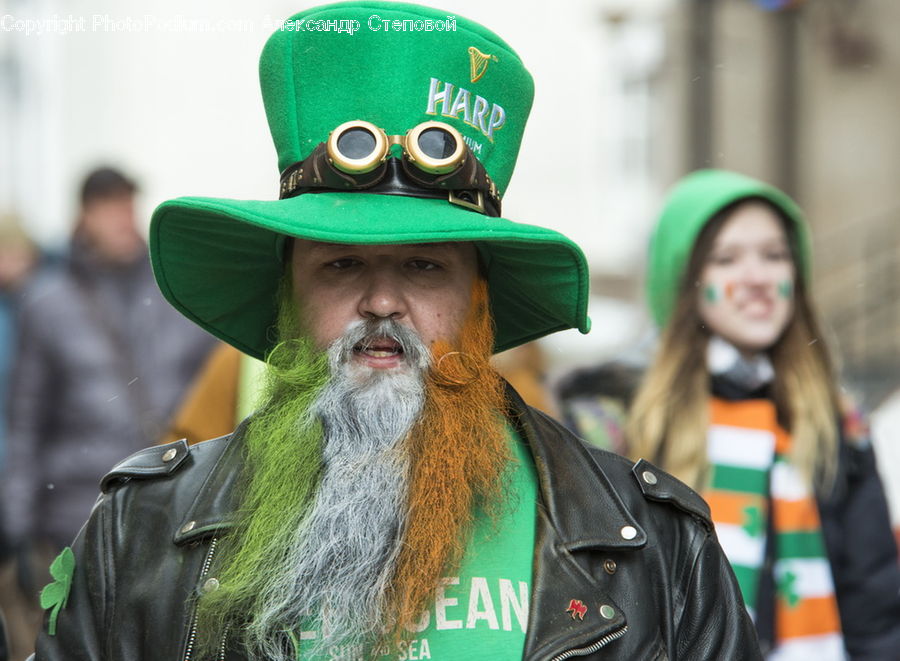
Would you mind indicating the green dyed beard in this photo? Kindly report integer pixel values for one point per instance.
(282, 455)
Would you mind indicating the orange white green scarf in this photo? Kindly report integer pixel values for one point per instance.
(748, 453)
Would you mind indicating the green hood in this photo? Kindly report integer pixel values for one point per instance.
(692, 202)
(396, 65)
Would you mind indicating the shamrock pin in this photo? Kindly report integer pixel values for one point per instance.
(55, 595)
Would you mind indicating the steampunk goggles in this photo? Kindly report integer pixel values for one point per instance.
(435, 163)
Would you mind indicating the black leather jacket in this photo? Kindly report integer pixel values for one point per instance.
(629, 541)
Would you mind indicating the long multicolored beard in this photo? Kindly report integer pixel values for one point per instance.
(335, 574)
(351, 530)
(460, 455)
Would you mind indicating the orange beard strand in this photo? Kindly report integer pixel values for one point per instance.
(459, 455)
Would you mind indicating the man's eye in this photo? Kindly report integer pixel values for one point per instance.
(341, 264)
(422, 265)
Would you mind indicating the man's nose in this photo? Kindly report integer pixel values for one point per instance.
(382, 296)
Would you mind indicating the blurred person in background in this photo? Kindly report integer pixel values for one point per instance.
(741, 401)
(593, 400)
(4, 645)
(224, 392)
(101, 362)
(886, 439)
(18, 258)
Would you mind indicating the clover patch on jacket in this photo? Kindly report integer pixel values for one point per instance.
(55, 595)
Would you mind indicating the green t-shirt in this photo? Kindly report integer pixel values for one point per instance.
(482, 612)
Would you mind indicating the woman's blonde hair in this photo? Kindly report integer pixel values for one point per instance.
(668, 420)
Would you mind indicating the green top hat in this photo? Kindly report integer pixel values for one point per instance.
(219, 261)
(690, 205)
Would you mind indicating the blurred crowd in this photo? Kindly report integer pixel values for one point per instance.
(88, 347)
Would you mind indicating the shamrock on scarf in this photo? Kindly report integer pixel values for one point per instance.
(787, 588)
(55, 595)
(754, 525)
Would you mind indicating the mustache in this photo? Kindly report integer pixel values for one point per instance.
(380, 333)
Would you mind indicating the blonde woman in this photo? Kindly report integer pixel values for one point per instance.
(741, 402)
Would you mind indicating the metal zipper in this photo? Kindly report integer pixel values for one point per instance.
(192, 637)
(222, 644)
(584, 651)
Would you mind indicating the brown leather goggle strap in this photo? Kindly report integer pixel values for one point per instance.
(466, 186)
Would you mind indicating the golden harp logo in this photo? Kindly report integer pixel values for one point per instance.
(478, 63)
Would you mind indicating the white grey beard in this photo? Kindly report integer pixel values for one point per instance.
(337, 573)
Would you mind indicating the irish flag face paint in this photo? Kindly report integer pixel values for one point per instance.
(713, 293)
(786, 289)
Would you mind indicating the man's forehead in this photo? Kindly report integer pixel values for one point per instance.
(436, 244)
(309, 245)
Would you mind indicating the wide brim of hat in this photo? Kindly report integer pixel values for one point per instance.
(220, 261)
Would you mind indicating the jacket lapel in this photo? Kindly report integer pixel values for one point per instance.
(213, 509)
(579, 511)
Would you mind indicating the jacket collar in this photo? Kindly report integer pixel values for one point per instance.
(569, 478)
(580, 518)
(214, 508)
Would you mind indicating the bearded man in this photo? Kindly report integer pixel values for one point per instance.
(391, 497)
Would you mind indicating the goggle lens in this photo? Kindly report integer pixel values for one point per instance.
(435, 148)
(356, 143)
(437, 143)
(357, 147)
